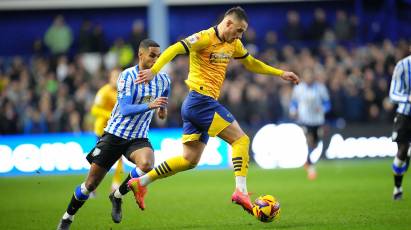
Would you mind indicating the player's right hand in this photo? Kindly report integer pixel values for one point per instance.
(158, 102)
(290, 76)
(145, 76)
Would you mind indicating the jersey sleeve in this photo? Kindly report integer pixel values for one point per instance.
(240, 51)
(167, 88)
(124, 85)
(196, 41)
(398, 94)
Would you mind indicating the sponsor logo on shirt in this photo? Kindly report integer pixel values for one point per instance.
(219, 58)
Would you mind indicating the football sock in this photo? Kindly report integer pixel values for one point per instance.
(397, 190)
(310, 150)
(118, 174)
(79, 197)
(398, 180)
(123, 189)
(407, 161)
(240, 156)
(167, 168)
(68, 216)
(241, 184)
(399, 167)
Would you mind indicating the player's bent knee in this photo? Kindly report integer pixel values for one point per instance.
(242, 142)
(145, 166)
(191, 160)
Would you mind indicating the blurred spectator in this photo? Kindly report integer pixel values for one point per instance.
(271, 41)
(34, 122)
(138, 33)
(293, 30)
(38, 48)
(86, 37)
(99, 40)
(58, 37)
(250, 42)
(318, 26)
(123, 51)
(8, 117)
(343, 28)
(329, 40)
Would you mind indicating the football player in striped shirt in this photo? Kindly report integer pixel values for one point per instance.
(210, 52)
(400, 93)
(126, 132)
(309, 104)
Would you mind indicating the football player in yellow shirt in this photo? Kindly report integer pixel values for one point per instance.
(210, 52)
(104, 102)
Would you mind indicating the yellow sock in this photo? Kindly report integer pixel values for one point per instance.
(118, 174)
(169, 167)
(240, 156)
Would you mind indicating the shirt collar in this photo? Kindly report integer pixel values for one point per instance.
(216, 33)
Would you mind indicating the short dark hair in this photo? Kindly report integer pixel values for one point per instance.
(238, 12)
(146, 43)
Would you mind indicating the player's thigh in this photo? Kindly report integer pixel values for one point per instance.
(231, 133)
(192, 151)
(140, 152)
(401, 129)
(143, 158)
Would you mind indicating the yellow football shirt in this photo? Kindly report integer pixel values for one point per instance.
(104, 102)
(209, 57)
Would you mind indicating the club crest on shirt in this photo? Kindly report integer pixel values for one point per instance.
(146, 99)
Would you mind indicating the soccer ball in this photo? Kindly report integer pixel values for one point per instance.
(266, 208)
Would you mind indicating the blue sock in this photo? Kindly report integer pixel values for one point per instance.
(136, 173)
(81, 192)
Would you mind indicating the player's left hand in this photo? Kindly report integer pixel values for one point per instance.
(162, 113)
(145, 76)
(290, 76)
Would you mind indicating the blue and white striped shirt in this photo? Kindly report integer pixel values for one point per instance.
(137, 125)
(400, 89)
(311, 102)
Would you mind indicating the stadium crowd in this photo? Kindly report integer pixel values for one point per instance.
(53, 90)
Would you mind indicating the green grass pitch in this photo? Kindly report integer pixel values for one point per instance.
(348, 194)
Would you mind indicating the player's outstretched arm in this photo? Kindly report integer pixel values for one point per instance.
(129, 109)
(257, 66)
(168, 55)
